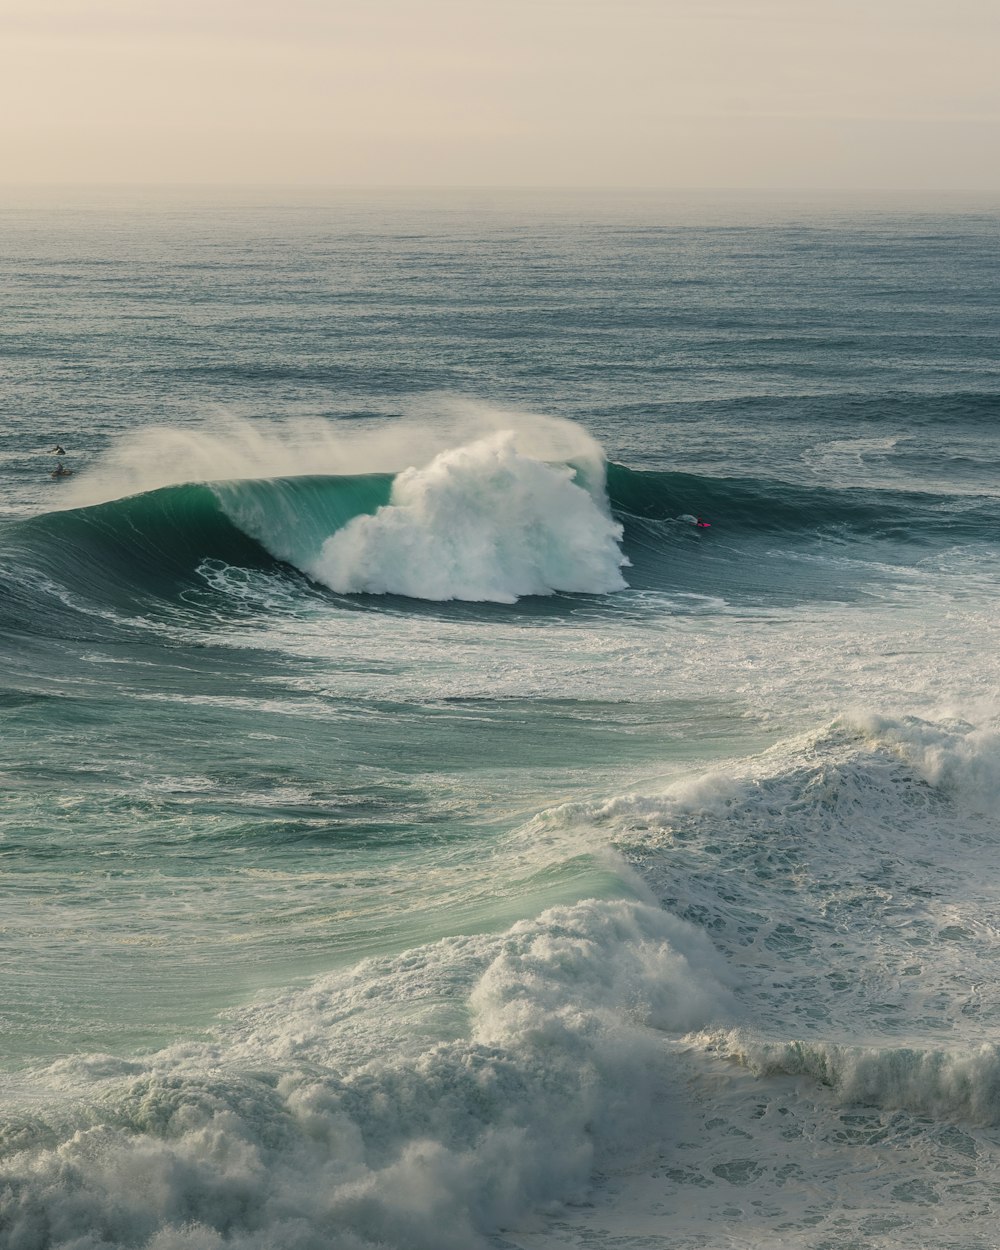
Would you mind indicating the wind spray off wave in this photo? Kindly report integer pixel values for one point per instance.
(480, 522)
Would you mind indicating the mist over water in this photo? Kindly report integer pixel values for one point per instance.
(223, 446)
(416, 831)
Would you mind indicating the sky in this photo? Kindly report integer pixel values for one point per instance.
(842, 94)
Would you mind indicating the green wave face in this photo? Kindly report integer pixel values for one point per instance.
(156, 540)
(140, 553)
(134, 552)
(291, 518)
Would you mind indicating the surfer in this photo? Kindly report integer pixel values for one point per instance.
(61, 471)
(702, 525)
(58, 450)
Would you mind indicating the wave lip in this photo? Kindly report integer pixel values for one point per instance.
(479, 523)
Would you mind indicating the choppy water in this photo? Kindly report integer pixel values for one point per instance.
(416, 832)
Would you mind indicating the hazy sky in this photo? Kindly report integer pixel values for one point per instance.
(677, 93)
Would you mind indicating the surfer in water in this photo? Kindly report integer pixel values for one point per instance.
(702, 524)
(60, 470)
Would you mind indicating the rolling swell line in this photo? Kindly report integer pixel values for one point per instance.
(777, 507)
(151, 542)
(150, 546)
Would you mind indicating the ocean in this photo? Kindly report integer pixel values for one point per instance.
(417, 831)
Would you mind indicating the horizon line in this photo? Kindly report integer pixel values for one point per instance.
(497, 188)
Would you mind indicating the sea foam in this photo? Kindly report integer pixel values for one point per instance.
(275, 1135)
(483, 523)
(948, 1084)
(224, 447)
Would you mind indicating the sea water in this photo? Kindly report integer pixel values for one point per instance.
(417, 831)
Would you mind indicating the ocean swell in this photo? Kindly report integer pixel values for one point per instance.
(480, 522)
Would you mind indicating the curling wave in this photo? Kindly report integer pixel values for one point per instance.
(480, 522)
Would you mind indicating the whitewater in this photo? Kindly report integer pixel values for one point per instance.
(416, 832)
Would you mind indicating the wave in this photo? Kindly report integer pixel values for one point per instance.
(863, 771)
(314, 1121)
(430, 1099)
(125, 556)
(481, 522)
(840, 874)
(945, 1084)
(768, 506)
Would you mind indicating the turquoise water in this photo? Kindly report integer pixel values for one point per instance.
(414, 826)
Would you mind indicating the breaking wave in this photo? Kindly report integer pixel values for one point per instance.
(946, 1084)
(493, 519)
(482, 522)
(272, 1136)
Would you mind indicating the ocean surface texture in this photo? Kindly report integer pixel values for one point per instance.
(416, 832)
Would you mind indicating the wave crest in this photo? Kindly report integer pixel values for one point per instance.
(948, 1084)
(479, 523)
(270, 1136)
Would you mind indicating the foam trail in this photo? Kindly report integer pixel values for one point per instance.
(481, 522)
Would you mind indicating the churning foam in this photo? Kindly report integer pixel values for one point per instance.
(480, 522)
(945, 1083)
(484, 509)
(278, 1136)
(851, 866)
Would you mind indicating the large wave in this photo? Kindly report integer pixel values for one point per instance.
(488, 520)
(508, 514)
(768, 506)
(427, 1100)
